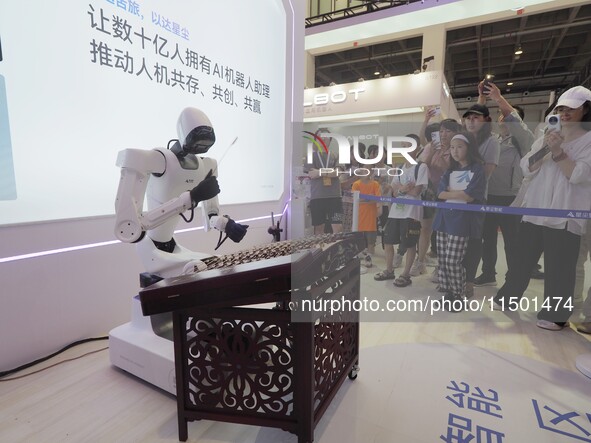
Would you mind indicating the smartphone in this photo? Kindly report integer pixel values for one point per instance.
(436, 139)
(487, 80)
(539, 155)
(437, 110)
(553, 121)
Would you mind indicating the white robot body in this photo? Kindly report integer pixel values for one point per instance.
(171, 181)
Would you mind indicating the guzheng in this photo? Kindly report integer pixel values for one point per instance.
(242, 354)
(235, 279)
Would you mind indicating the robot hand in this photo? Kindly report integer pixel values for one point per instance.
(205, 190)
(235, 231)
(194, 266)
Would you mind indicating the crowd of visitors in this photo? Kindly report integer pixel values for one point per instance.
(476, 162)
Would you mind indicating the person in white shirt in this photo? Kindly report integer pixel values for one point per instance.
(404, 221)
(560, 179)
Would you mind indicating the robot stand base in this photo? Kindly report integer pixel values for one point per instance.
(583, 363)
(135, 348)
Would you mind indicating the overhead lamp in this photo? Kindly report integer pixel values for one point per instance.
(376, 73)
(509, 83)
(518, 51)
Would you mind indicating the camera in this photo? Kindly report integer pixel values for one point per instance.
(553, 122)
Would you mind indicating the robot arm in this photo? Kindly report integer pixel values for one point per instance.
(136, 167)
(211, 211)
(196, 136)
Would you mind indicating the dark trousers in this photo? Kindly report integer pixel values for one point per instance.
(561, 251)
(509, 225)
(434, 242)
(472, 258)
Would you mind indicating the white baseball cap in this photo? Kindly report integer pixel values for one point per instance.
(574, 97)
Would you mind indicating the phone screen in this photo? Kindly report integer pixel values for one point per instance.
(539, 155)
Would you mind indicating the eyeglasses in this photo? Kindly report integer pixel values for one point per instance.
(566, 110)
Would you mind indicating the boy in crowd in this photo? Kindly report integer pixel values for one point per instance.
(368, 214)
(404, 221)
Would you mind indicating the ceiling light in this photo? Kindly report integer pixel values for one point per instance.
(509, 83)
(519, 51)
(376, 73)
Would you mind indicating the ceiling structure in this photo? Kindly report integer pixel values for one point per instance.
(556, 55)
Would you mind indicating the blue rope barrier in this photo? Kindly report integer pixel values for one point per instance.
(509, 210)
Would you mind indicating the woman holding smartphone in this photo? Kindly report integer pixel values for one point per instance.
(560, 179)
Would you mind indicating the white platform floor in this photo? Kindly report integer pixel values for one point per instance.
(400, 395)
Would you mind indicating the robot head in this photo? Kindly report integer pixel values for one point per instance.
(194, 131)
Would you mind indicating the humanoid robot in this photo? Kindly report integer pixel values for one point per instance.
(173, 181)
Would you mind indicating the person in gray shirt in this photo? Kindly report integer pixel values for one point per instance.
(515, 140)
(477, 121)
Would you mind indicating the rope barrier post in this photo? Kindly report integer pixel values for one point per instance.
(355, 221)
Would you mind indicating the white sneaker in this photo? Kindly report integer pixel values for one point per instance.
(397, 261)
(435, 275)
(418, 268)
(549, 325)
(367, 261)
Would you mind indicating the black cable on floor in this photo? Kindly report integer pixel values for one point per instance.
(33, 363)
